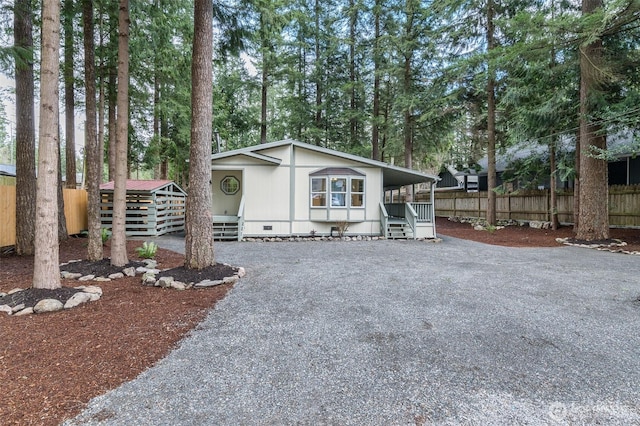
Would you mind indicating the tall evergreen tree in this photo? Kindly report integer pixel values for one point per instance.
(92, 145)
(68, 15)
(199, 252)
(119, 240)
(25, 128)
(46, 270)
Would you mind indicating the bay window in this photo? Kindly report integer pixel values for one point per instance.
(337, 188)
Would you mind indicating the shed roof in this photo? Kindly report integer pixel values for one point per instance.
(140, 185)
(7, 170)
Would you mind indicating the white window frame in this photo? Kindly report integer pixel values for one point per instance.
(352, 192)
(347, 193)
(325, 192)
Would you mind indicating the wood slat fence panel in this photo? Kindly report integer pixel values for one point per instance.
(624, 205)
(7, 216)
(75, 210)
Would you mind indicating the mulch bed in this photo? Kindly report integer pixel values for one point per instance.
(524, 236)
(52, 364)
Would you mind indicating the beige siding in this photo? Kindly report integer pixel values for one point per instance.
(266, 189)
(267, 194)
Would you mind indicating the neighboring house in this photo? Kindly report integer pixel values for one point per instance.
(7, 174)
(624, 166)
(452, 179)
(289, 188)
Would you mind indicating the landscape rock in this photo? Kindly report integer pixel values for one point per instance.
(48, 305)
(208, 283)
(70, 275)
(230, 280)
(87, 278)
(241, 272)
(149, 279)
(178, 285)
(130, 272)
(151, 264)
(77, 299)
(164, 282)
(91, 289)
(102, 279)
(6, 309)
(17, 308)
(25, 311)
(116, 276)
(14, 290)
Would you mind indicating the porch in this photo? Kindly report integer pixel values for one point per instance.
(229, 227)
(411, 220)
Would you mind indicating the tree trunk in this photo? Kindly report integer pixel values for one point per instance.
(156, 120)
(318, 65)
(46, 270)
(112, 106)
(118, 236)
(25, 132)
(63, 234)
(553, 195)
(491, 123)
(594, 189)
(92, 146)
(375, 128)
(266, 57)
(408, 128)
(576, 185)
(199, 252)
(353, 121)
(69, 95)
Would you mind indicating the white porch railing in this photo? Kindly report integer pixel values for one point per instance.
(424, 211)
(384, 219)
(410, 216)
(241, 219)
(418, 218)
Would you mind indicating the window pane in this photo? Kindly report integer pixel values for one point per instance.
(357, 185)
(338, 185)
(230, 185)
(319, 199)
(357, 200)
(318, 185)
(338, 200)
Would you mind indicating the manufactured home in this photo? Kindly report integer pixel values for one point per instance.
(289, 188)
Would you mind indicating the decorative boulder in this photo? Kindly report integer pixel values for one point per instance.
(48, 305)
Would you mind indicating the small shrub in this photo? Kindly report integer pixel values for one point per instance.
(147, 250)
(313, 232)
(105, 234)
(343, 227)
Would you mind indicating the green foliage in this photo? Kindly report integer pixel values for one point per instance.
(147, 250)
(105, 234)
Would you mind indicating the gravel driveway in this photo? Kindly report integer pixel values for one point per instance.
(401, 332)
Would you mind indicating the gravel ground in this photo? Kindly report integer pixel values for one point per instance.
(402, 332)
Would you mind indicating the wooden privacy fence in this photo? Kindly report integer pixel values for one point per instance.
(624, 205)
(75, 210)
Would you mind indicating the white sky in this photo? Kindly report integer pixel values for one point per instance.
(10, 111)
